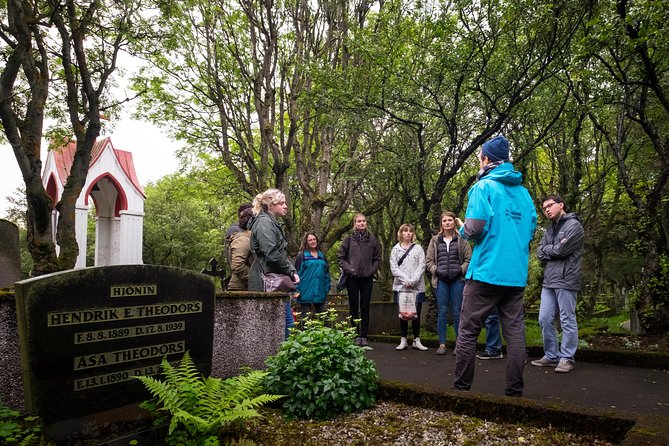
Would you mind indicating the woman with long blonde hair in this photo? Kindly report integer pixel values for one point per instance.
(448, 256)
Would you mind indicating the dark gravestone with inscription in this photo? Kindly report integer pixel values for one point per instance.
(84, 334)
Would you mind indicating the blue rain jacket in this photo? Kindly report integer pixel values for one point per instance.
(314, 278)
(501, 220)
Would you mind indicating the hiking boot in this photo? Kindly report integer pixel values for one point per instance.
(564, 366)
(487, 355)
(544, 362)
(364, 343)
(441, 350)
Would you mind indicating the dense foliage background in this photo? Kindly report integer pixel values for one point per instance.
(380, 107)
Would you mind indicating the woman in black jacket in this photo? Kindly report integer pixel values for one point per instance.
(359, 257)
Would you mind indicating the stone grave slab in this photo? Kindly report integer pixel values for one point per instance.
(85, 334)
(10, 256)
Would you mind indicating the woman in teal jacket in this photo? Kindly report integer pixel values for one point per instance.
(314, 272)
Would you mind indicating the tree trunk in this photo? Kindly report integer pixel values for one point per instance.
(39, 230)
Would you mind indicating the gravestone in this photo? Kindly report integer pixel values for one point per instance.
(85, 334)
(10, 257)
(250, 327)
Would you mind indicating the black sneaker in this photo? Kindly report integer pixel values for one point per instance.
(486, 355)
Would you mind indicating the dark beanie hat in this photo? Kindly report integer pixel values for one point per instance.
(243, 207)
(497, 149)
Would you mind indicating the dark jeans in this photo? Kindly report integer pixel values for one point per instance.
(479, 299)
(309, 309)
(359, 296)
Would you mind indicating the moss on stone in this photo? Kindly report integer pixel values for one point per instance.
(604, 425)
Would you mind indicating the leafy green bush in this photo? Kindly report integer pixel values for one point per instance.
(322, 371)
(201, 407)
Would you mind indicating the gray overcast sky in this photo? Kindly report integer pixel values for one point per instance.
(152, 151)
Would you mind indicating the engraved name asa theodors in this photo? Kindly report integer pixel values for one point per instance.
(85, 334)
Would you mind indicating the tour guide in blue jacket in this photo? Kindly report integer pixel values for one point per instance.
(501, 221)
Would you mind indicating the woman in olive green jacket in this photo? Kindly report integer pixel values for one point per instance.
(269, 244)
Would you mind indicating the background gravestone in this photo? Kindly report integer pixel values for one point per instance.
(10, 256)
(249, 328)
(84, 334)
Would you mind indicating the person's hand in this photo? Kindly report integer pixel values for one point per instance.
(296, 278)
(407, 285)
(459, 222)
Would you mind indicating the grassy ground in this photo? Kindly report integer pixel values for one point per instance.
(586, 329)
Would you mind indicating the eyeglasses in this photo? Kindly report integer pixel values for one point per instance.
(548, 206)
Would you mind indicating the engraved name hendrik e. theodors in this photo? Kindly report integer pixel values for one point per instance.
(92, 315)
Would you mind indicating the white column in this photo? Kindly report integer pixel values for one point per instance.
(131, 237)
(54, 229)
(81, 234)
(103, 232)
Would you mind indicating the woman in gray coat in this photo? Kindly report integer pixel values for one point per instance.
(269, 244)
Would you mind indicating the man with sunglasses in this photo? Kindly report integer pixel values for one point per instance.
(560, 251)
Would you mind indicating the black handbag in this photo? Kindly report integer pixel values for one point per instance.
(341, 283)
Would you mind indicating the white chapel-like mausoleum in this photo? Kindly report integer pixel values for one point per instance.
(113, 186)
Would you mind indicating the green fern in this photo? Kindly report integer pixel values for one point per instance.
(203, 406)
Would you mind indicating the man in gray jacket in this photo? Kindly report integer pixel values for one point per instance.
(560, 251)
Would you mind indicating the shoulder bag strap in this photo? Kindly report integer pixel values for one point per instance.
(399, 262)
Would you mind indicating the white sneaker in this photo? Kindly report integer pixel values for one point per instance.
(564, 366)
(417, 345)
(403, 344)
(544, 362)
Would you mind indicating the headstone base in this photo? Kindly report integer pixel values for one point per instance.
(114, 423)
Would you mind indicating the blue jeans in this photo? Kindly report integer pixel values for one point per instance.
(493, 339)
(290, 320)
(562, 303)
(449, 296)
